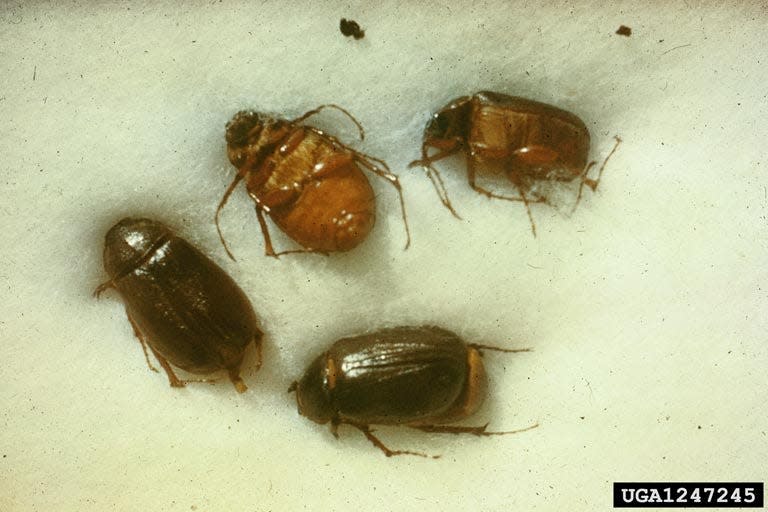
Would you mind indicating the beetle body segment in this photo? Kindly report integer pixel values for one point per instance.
(308, 182)
(403, 375)
(180, 303)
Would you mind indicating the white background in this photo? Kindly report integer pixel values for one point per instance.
(646, 308)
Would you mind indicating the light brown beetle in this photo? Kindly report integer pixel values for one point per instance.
(421, 377)
(306, 180)
(526, 140)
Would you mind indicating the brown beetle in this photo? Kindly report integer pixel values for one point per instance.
(307, 181)
(420, 377)
(526, 140)
(351, 28)
(180, 303)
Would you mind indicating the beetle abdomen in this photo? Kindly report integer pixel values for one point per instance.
(332, 214)
(334, 208)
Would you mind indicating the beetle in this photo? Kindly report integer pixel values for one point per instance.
(351, 28)
(526, 140)
(181, 305)
(421, 377)
(307, 181)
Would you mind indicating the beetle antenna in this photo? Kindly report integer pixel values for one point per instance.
(224, 199)
(312, 112)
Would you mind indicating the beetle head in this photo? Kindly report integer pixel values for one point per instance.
(312, 392)
(242, 127)
(449, 125)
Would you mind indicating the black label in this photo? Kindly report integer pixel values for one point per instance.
(688, 494)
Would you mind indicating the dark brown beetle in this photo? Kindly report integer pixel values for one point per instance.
(307, 181)
(351, 28)
(180, 303)
(526, 140)
(420, 377)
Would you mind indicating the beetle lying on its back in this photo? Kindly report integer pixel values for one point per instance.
(421, 377)
(308, 182)
(179, 302)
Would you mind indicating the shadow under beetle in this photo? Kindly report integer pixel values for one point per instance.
(181, 305)
(307, 181)
(523, 139)
(420, 377)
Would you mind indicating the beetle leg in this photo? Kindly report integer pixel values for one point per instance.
(590, 182)
(498, 349)
(268, 248)
(442, 193)
(237, 381)
(335, 422)
(493, 195)
(265, 232)
(369, 162)
(172, 378)
(102, 287)
(434, 175)
(142, 341)
(331, 105)
(366, 430)
(366, 161)
(476, 431)
(235, 182)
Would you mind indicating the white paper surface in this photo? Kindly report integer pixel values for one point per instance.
(645, 308)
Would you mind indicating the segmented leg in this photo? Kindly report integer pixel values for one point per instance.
(265, 233)
(230, 189)
(103, 287)
(172, 378)
(493, 195)
(142, 340)
(499, 349)
(365, 429)
(268, 248)
(434, 175)
(590, 182)
(237, 381)
(475, 431)
(331, 105)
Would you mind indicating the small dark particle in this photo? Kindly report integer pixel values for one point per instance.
(351, 28)
(624, 31)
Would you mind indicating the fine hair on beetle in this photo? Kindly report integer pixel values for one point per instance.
(425, 378)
